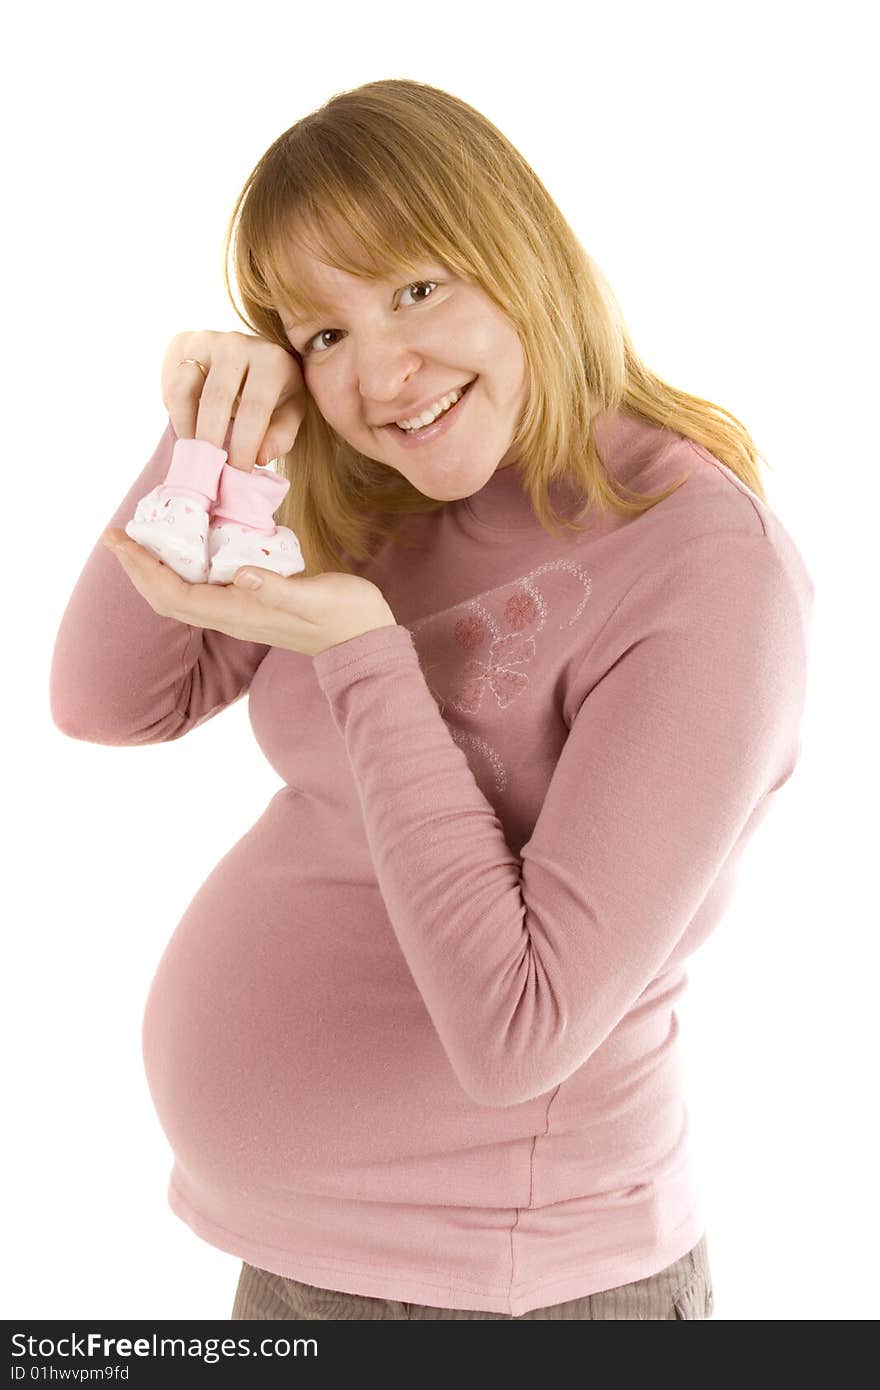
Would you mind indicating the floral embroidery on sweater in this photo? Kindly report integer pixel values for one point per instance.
(479, 652)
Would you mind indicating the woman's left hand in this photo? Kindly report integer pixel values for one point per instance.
(297, 613)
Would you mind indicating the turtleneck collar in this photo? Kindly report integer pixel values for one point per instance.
(627, 445)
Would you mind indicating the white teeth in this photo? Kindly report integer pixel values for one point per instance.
(418, 421)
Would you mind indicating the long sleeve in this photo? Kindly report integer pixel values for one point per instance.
(684, 714)
(123, 674)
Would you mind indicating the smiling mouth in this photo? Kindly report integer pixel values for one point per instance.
(393, 425)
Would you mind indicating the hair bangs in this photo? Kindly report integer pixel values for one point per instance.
(369, 231)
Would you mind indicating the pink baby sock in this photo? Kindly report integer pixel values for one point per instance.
(173, 520)
(195, 471)
(249, 499)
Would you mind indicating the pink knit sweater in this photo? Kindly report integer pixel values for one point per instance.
(415, 1037)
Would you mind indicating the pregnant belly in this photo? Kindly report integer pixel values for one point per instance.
(287, 1049)
(282, 1040)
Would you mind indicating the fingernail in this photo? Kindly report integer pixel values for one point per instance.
(248, 580)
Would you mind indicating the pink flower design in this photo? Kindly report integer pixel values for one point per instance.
(521, 611)
(500, 641)
(469, 631)
(498, 672)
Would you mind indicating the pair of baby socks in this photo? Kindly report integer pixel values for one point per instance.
(207, 519)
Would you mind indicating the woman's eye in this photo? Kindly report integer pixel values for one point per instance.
(307, 347)
(415, 284)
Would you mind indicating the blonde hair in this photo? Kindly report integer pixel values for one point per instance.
(395, 172)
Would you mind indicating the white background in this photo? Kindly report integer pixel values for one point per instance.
(718, 163)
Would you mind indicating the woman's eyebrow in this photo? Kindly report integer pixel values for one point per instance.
(324, 311)
(297, 322)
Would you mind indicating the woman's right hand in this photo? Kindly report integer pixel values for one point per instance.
(256, 383)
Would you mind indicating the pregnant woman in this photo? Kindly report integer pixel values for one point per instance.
(531, 690)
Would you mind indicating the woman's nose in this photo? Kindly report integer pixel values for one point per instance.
(383, 368)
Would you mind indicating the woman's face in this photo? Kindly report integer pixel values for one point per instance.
(387, 351)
